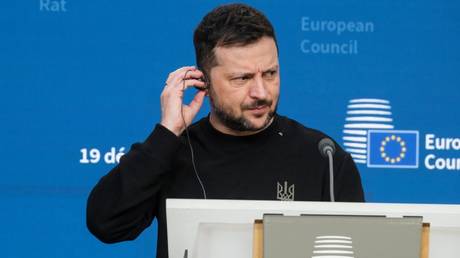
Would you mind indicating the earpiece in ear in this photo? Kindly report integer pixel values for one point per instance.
(205, 87)
(204, 79)
(206, 82)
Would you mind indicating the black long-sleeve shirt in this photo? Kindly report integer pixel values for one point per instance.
(262, 166)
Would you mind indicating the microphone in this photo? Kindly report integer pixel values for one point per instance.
(326, 145)
(327, 149)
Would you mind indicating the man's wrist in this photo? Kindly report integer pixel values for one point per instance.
(177, 130)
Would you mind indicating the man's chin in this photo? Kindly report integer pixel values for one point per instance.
(258, 122)
(248, 121)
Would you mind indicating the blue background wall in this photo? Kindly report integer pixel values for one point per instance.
(83, 75)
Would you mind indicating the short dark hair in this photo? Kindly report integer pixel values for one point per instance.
(228, 25)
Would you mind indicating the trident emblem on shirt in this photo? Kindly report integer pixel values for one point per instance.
(285, 193)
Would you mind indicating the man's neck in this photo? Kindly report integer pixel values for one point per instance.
(219, 126)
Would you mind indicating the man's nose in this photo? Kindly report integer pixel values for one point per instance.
(258, 88)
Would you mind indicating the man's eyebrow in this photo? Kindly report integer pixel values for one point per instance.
(235, 74)
(273, 68)
(238, 74)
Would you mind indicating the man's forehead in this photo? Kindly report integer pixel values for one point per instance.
(261, 55)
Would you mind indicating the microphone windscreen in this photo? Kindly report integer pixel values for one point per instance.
(326, 145)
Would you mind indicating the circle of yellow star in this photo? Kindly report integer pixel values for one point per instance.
(402, 153)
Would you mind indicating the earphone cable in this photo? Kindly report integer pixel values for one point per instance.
(190, 142)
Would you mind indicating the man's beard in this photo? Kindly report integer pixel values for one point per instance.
(240, 123)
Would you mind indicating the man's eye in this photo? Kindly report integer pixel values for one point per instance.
(270, 74)
(241, 79)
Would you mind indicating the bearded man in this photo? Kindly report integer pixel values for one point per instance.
(242, 150)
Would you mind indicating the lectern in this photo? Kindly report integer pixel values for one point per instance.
(226, 228)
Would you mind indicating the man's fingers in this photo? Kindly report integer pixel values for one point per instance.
(185, 75)
(172, 98)
(178, 90)
(184, 68)
(179, 73)
(197, 101)
(193, 74)
(190, 82)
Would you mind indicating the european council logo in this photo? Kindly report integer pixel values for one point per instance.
(392, 149)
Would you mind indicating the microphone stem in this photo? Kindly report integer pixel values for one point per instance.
(331, 175)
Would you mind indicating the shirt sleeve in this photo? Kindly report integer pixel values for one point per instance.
(124, 202)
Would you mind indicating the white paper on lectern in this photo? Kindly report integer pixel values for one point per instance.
(217, 217)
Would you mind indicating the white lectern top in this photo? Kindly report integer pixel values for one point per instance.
(223, 228)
